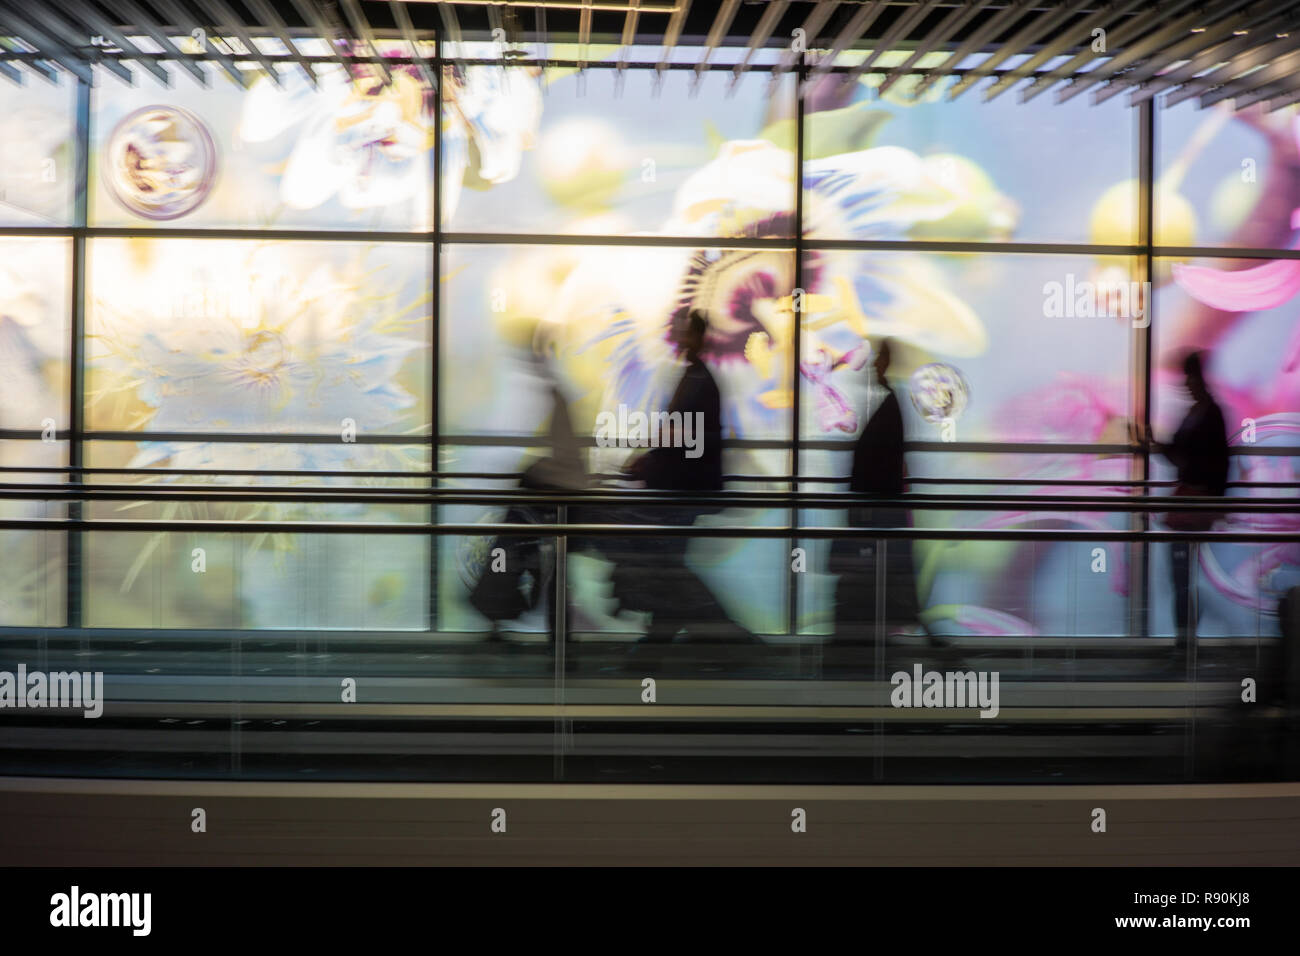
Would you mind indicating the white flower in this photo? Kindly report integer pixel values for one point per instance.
(365, 143)
(305, 346)
(490, 116)
(33, 330)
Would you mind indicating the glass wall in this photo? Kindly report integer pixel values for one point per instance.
(352, 284)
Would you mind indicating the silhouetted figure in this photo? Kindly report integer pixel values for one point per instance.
(528, 579)
(654, 576)
(879, 470)
(1199, 451)
(670, 467)
(878, 464)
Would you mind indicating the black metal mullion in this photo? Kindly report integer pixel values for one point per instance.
(792, 598)
(76, 358)
(435, 333)
(1146, 228)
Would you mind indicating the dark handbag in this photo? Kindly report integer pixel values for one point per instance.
(1192, 520)
(505, 595)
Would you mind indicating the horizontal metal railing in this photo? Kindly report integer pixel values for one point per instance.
(620, 497)
(514, 476)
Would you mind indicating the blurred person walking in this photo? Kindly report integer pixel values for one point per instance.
(879, 471)
(1199, 452)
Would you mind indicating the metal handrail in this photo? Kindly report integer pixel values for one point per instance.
(585, 530)
(625, 497)
(514, 476)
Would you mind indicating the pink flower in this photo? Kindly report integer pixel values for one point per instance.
(1249, 290)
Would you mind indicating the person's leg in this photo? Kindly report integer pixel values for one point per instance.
(900, 610)
(1181, 571)
(855, 591)
(631, 557)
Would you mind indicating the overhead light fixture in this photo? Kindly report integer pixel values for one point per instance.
(1198, 29)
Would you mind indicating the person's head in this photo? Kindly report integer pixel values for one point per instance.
(692, 335)
(1194, 369)
(881, 363)
(542, 356)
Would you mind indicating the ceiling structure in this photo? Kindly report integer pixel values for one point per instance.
(1246, 52)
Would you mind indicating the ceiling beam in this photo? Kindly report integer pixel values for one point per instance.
(46, 70)
(1282, 101)
(1134, 49)
(1238, 41)
(1196, 39)
(991, 28)
(858, 24)
(403, 20)
(1269, 91)
(68, 39)
(1058, 46)
(129, 12)
(539, 25)
(772, 14)
(717, 33)
(50, 48)
(957, 18)
(1281, 68)
(1069, 70)
(673, 33)
(184, 22)
(229, 22)
(897, 31)
(361, 29)
(811, 27)
(584, 33)
(629, 34)
(1030, 33)
(91, 17)
(312, 17)
(1260, 55)
(268, 15)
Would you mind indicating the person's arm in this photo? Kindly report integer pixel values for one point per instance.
(655, 465)
(1172, 451)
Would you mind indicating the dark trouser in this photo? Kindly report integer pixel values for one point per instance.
(537, 557)
(651, 574)
(1181, 560)
(857, 593)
